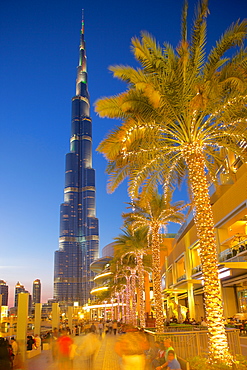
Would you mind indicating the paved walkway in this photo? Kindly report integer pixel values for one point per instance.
(106, 358)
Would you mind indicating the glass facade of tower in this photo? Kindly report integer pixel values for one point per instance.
(36, 291)
(19, 288)
(4, 290)
(79, 234)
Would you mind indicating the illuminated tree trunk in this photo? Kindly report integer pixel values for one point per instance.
(159, 323)
(127, 299)
(112, 309)
(118, 306)
(203, 217)
(139, 259)
(133, 297)
(123, 294)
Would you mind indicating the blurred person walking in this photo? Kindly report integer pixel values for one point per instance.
(88, 350)
(100, 327)
(54, 337)
(114, 327)
(131, 348)
(64, 348)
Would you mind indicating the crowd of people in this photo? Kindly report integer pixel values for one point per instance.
(136, 350)
(186, 321)
(9, 354)
(238, 324)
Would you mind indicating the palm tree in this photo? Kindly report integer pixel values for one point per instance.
(182, 113)
(134, 243)
(123, 277)
(155, 212)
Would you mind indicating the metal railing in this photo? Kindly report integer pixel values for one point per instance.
(234, 251)
(189, 344)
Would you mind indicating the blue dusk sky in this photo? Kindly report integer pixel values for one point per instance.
(39, 55)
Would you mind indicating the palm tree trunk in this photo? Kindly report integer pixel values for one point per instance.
(133, 297)
(141, 289)
(203, 217)
(118, 306)
(127, 299)
(159, 320)
(123, 294)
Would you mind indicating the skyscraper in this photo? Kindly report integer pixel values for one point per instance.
(19, 288)
(36, 291)
(4, 290)
(79, 235)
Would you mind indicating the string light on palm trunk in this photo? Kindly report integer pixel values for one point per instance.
(203, 216)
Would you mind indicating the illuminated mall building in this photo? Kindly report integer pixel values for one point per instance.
(79, 234)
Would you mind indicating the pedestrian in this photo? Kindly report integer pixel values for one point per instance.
(88, 350)
(173, 363)
(5, 360)
(64, 346)
(14, 345)
(100, 327)
(54, 338)
(168, 347)
(152, 352)
(114, 327)
(30, 343)
(37, 341)
(132, 347)
(93, 328)
(106, 327)
(160, 357)
(110, 327)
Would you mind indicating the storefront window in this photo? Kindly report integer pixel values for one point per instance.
(242, 297)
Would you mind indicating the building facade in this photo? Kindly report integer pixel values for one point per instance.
(79, 233)
(4, 291)
(36, 291)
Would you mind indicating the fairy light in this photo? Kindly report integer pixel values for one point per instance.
(133, 296)
(156, 225)
(127, 299)
(203, 216)
(118, 306)
(141, 288)
(140, 268)
(112, 309)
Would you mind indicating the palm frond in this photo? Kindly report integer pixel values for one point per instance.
(233, 36)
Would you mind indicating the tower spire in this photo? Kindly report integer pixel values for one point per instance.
(82, 21)
(82, 67)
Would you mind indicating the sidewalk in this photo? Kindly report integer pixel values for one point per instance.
(106, 358)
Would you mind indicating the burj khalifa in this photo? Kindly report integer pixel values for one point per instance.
(79, 232)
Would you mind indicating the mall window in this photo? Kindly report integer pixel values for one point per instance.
(195, 259)
(180, 269)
